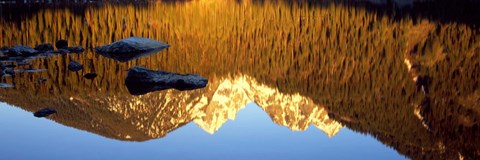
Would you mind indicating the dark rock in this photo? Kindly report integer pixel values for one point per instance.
(30, 70)
(4, 49)
(90, 75)
(141, 80)
(22, 51)
(44, 112)
(4, 66)
(7, 72)
(3, 55)
(62, 51)
(59, 51)
(74, 66)
(4, 52)
(131, 48)
(77, 49)
(61, 44)
(45, 47)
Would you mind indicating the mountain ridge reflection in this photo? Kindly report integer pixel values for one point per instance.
(357, 65)
(155, 114)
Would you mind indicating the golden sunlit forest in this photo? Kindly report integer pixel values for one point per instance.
(356, 68)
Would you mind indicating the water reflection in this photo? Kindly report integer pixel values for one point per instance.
(333, 66)
(153, 115)
(235, 140)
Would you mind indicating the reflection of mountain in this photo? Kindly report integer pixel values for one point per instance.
(348, 60)
(153, 115)
(293, 111)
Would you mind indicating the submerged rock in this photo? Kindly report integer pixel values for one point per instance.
(22, 51)
(90, 75)
(44, 112)
(131, 48)
(4, 66)
(141, 80)
(4, 49)
(4, 52)
(74, 66)
(44, 47)
(3, 55)
(61, 44)
(30, 70)
(61, 51)
(76, 49)
(26, 53)
(7, 72)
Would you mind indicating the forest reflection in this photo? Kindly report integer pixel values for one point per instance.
(330, 66)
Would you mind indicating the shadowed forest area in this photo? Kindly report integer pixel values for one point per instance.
(444, 11)
(358, 62)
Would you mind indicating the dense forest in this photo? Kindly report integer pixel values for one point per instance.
(348, 61)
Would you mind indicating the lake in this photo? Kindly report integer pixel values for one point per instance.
(286, 80)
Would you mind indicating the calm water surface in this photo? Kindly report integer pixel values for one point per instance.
(251, 136)
(329, 80)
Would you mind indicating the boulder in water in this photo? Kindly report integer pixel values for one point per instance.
(4, 49)
(131, 48)
(61, 51)
(77, 49)
(44, 47)
(4, 66)
(22, 51)
(3, 55)
(74, 66)
(141, 80)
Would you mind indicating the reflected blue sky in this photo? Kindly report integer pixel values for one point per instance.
(251, 136)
